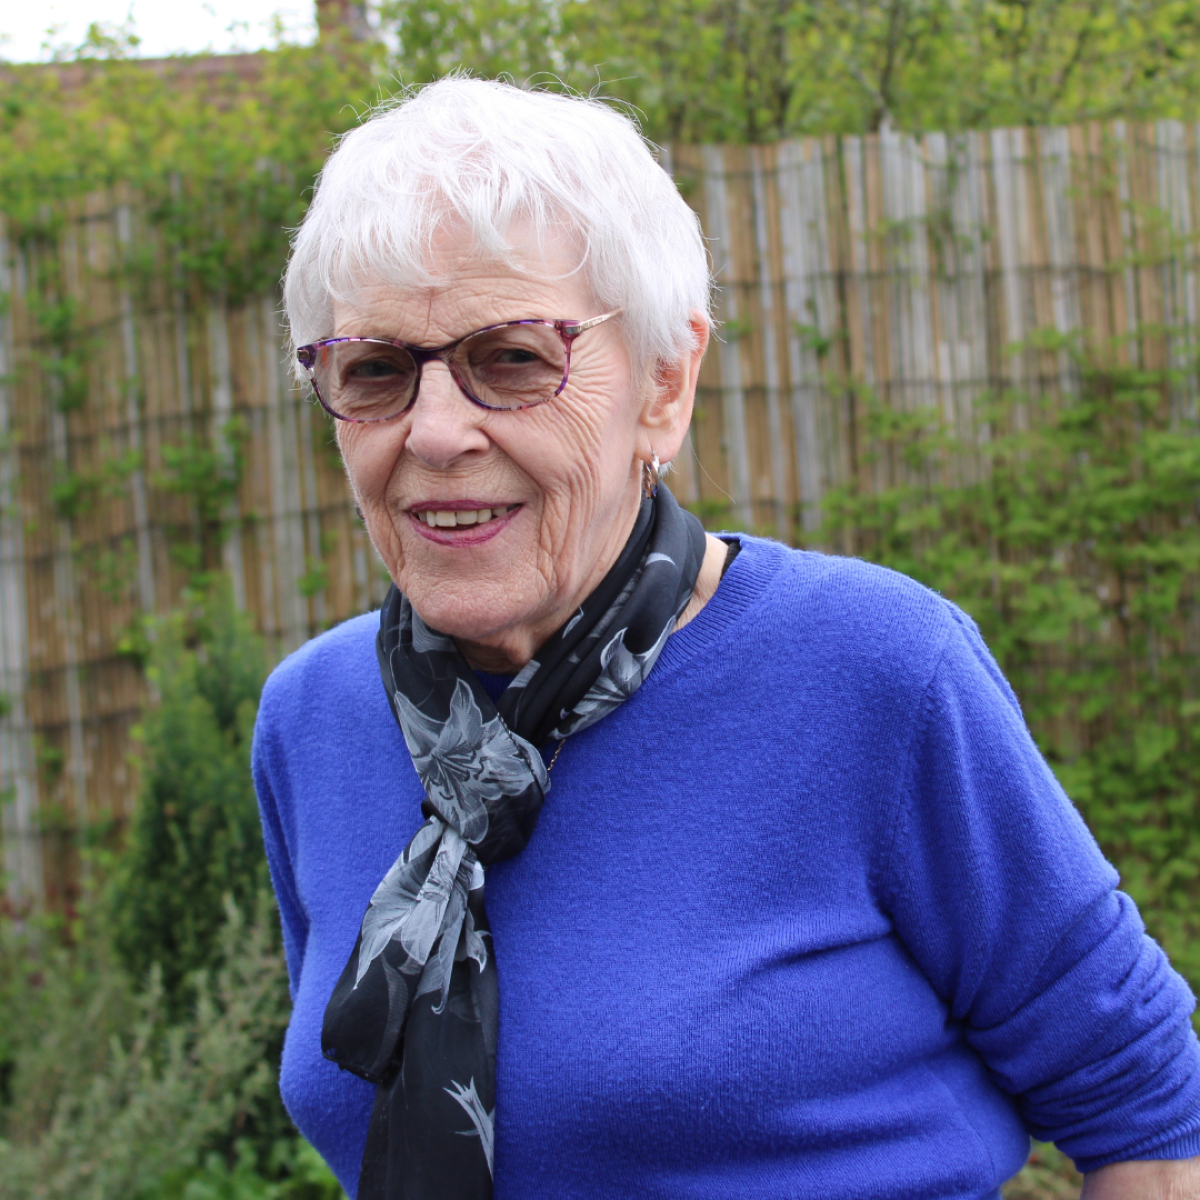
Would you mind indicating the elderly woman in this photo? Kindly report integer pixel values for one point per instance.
(806, 914)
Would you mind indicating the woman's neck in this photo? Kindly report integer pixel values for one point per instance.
(707, 581)
(496, 660)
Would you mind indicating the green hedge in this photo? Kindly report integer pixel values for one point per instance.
(140, 1038)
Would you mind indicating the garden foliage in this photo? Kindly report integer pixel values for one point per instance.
(140, 1039)
(224, 167)
(111, 1095)
(736, 70)
(194, 838)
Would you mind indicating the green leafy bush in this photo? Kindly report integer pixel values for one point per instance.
(140, 1039)
(713, 70)
(194, 839)
(295, 1172)
(110, 1093)
(218, 164)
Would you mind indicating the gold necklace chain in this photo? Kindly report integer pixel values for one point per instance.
(550, 765)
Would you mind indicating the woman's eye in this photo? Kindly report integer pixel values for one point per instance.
(374, 368)
(515, 356)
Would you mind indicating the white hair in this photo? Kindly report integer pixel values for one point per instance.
(488, 156)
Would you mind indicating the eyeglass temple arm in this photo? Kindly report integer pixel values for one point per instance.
(575, 328)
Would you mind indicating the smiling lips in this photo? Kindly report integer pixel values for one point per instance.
(459, 524)
(443, 518)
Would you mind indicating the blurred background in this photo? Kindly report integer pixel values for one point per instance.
(956, 243)
(56, 30)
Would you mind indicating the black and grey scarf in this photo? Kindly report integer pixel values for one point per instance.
(414, 1012)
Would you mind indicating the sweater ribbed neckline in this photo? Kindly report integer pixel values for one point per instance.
(746, 579)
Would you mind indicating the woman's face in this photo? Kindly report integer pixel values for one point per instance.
(562, 480)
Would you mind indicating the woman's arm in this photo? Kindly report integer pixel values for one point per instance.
(1170, 1179)
(1005, 902)
(266, 764)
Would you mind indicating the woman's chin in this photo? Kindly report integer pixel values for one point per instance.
(483, 620)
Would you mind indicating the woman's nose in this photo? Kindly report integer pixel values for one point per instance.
(445, 424)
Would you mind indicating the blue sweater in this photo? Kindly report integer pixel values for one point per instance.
(807, 917)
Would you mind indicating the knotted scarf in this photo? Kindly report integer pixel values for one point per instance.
(415, 1010)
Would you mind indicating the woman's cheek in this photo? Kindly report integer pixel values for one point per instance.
(370, 462)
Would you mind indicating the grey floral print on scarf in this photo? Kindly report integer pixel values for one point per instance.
(465, 761)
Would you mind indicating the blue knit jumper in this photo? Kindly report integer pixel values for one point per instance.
(807, 917)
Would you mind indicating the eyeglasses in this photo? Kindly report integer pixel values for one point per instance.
(517, 364)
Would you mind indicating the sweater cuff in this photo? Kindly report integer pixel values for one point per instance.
(1187, 1145)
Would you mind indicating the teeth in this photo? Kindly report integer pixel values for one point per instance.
(446, 519)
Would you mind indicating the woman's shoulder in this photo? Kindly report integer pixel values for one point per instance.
(337, 663)
(847, 597)
(808, 614)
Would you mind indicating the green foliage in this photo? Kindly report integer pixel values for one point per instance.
(194, 838)
(51, 759)
(206, 474)
(1072, 537)
(731, 70)
(63, 342)
(295, 1172)
(57, 320)
(59, 1009)
(140, 1035)
(112, 569)
(221, 166)
(108, 1094)
(69, 493)
(315, 578)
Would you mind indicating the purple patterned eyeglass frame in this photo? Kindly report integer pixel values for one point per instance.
(567, 330)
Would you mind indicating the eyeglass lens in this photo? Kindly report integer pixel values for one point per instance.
(510, 367)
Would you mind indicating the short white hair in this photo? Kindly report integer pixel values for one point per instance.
(489, 156)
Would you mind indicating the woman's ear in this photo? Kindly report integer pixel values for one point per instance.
(671, 396)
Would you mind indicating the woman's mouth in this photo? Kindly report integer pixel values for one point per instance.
(455, 526)
(444, 518)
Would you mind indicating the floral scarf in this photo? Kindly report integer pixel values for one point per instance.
(415, 1010)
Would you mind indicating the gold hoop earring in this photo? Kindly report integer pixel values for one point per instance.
(650, 477)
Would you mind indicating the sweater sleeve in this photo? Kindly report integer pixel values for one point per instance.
(270, 783)
(1007, 904)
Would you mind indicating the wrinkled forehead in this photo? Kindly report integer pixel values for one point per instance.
(460, 285)
(452, 249)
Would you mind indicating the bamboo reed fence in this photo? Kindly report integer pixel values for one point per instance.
(907, 267)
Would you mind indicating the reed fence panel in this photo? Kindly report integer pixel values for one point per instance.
(904, 271)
